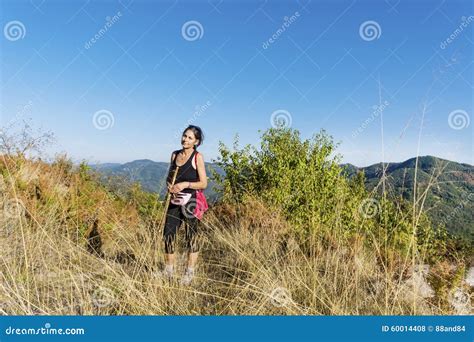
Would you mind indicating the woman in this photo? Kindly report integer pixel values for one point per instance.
(191, 176)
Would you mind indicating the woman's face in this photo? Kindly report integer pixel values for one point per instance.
(188, 140)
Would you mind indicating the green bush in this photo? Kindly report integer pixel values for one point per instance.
(148, 204)
(303, 180)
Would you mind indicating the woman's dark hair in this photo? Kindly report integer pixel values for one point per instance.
(197, 133)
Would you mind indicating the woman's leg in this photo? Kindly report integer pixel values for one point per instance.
(192, 259)
(173, 221)
(192, 237)
(169, 259)
(192, 242)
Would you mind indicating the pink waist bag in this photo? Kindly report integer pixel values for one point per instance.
(201, 204)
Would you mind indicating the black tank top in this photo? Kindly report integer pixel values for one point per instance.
(186, 172)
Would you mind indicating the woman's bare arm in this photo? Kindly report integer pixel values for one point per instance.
(169, 169)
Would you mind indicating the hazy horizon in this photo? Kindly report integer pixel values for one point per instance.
(211, 161)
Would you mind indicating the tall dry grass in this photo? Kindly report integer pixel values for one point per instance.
(69, 248)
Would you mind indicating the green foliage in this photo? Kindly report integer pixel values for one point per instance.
(446, 187)
(299, 176)
(302, 179)
(147, 204)
(239, 173)
(63, 164)
(85, 171)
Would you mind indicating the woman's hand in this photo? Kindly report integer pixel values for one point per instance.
(177, 187)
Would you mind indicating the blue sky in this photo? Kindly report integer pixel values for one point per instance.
(326, 67)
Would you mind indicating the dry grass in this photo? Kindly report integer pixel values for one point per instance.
(251, 262)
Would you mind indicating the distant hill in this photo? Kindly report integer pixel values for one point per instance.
(450, 199)
(150, 174)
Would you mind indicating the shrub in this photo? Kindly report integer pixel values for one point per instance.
(300, 177)
(303, 180)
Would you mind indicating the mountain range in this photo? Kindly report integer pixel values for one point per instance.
(449, 188)
(150, 174)
(449, 185)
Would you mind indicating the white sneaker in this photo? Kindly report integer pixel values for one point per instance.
(188, 277)
(167, 273)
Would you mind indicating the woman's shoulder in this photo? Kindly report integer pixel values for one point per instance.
(199, 155)
(174, 154)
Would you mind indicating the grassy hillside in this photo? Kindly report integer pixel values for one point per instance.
(71, 245)
(448, 187)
